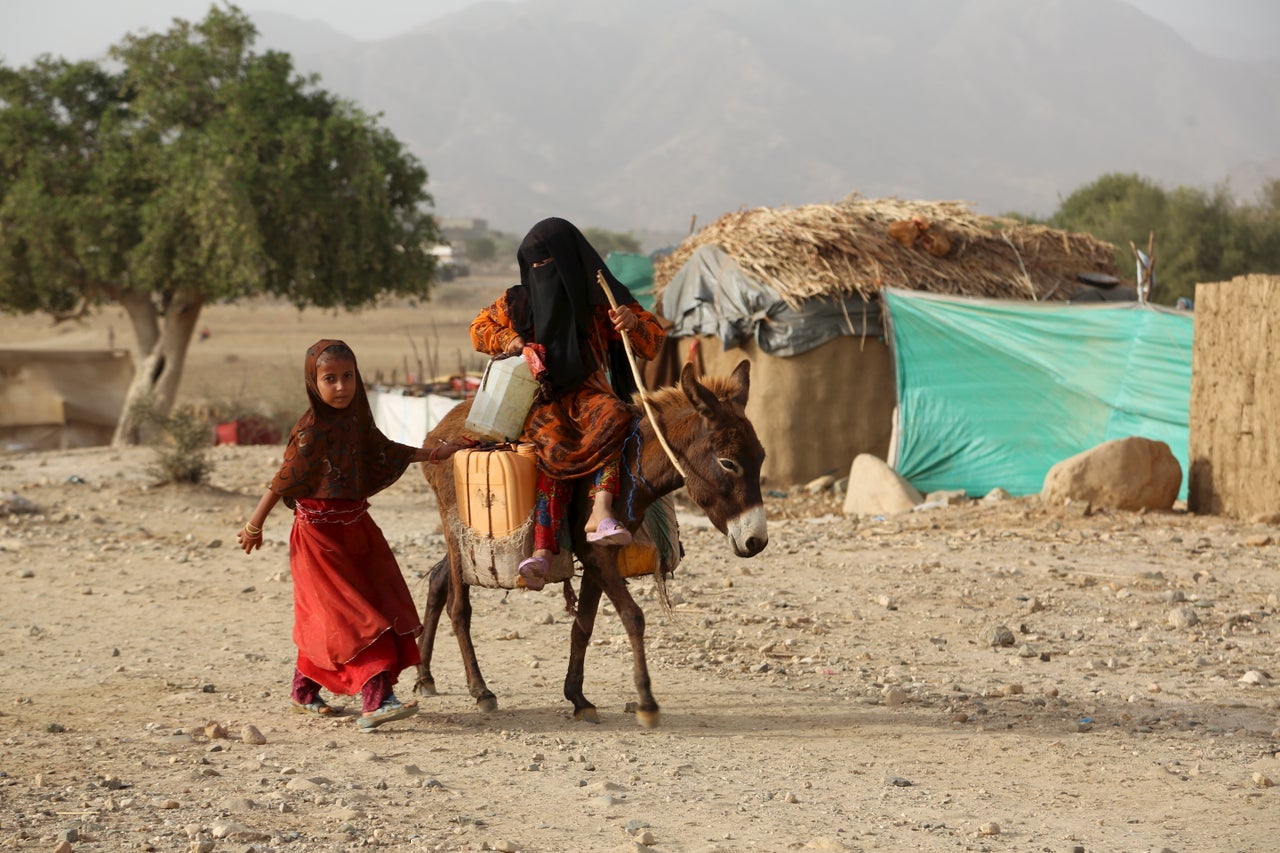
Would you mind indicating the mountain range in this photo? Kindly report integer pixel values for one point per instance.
(643, 114)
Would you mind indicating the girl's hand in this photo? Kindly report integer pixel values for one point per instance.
(443, 450)
(516, 346)
(249, 541)
(623, 318)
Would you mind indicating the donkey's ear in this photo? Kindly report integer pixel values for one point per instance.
(703, 401)
(742, 377)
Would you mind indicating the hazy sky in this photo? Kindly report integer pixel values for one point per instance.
(80, 29)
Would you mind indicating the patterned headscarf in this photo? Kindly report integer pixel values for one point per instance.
(338, 453)
(554, 304)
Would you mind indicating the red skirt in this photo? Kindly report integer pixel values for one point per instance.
(353, 616)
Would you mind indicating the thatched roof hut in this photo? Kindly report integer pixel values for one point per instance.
(859, 245)
(804, 283)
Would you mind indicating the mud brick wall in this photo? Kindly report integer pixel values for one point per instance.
(1235, 398)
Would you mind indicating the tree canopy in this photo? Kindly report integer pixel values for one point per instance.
(1200, 236)
(191, 169)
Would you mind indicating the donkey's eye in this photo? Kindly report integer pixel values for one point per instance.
(731, 466)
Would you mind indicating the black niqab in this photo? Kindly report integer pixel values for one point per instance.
(554, 304)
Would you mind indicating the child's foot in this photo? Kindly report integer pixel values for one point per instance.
(391, 709)
(317, 707)
(609, 532)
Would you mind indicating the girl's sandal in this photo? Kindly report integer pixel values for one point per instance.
(392, 709)
(318, 708)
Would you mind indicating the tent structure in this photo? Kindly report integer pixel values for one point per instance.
(55, 399)
(993, 393)
(636, 272)
(798, 292)
(407, 418)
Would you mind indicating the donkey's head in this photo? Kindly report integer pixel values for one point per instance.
(722, 458)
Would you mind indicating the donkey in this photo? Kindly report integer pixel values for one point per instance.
(705, 424)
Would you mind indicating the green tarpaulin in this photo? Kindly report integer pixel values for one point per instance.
(636, 272)
(994, 393)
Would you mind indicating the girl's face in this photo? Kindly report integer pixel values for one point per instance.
(336, 380)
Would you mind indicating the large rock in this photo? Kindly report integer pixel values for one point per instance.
(1128, 473)
(877, 489)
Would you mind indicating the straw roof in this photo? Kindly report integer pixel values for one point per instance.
(847, 247)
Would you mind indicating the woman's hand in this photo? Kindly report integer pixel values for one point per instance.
(515, 347)
(624, 320)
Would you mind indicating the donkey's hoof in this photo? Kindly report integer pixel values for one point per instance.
(487, 704)
(425, 687)
(648, 719)
(588, 714)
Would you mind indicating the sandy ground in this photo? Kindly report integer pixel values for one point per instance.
(984, 677)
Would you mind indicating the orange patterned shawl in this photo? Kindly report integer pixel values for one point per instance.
(582, 429)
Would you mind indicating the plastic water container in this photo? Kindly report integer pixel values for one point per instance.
(503, 400)
(495, 488)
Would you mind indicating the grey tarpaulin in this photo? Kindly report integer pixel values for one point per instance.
(712, 295)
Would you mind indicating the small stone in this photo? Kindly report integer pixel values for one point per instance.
(1260, 540)
(894, 695)
(250, 734)
(1262, 781)
(825, 843)
(502, 845)
(1255, 676)
(214, 731)
(997, 636)
(820, 484)
(989, 828)
(1183, 617)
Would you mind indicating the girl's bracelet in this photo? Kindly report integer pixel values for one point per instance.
(254, 532)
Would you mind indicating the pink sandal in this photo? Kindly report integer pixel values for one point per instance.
(610, 532)
(533, 573)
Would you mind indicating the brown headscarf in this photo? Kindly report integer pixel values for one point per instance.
(338, 453)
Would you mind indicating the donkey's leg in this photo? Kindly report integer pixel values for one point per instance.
(460, 616)
(615, 586)
(437, 598)
(584, 621)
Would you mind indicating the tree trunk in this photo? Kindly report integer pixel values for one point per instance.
(163, 338)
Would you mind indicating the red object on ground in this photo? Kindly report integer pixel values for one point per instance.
(250, 430)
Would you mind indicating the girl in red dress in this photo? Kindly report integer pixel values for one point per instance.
(355, 624)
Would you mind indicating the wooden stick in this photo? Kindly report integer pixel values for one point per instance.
(635, 371)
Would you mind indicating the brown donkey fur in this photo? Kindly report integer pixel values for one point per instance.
(705, 423)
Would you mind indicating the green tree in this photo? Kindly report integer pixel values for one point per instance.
(1200, 236)
(605, 241)
(198, 171)
(481, 249)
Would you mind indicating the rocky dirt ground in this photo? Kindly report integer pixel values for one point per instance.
(983, 677)
(997, 677)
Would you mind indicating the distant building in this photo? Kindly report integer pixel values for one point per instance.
(458, 229)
